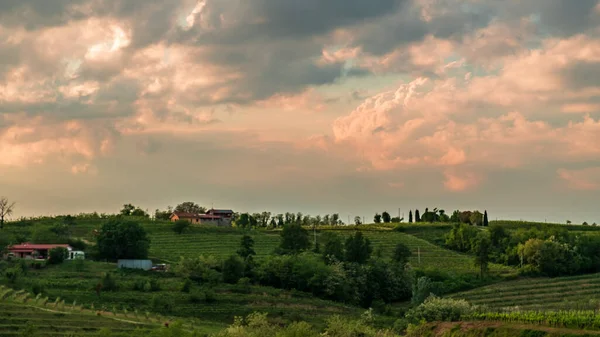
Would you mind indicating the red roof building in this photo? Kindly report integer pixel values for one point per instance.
(34, 250)
(214, 217)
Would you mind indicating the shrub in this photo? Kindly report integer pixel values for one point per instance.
(12, 274)
(439, 309)
(186, 286)
(162, 304)
(233, 269)
(109, 283)
(57, 255)
(181, 226)
(154, 285)
(196, 297)
(210, 296)
(37, 288)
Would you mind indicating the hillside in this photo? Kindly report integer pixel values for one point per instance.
(561, 293)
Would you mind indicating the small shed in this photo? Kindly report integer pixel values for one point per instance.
(135, 264)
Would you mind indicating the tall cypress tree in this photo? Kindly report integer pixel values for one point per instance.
(485, 219)
(417, 216)
(410, 216)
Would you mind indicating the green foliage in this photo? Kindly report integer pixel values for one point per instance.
(46, 235)
(476, 218)
(201, 269)
(180, 226)
(332, 247)
(481, 249)
(440, 309)
(122, 239)
(57, 255)
(377, 218)
(109, 283)
(294, 239)
(246, 221)
(187, 285)
(461, 238)
(385, 216)
(12, 274)
(401, 253)
(233, 269)
(246, 247)
(485, 219)
(358, 248)
(190, 207)
(421, 290)
(162, 304)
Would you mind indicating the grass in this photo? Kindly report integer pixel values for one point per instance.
(562, 293)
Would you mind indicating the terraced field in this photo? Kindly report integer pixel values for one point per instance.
(222, 242)
(431, 256)
(24, 320)
(562, 293)
(228, 301)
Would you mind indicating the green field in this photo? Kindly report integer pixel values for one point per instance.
(26, 320)
(71, 285)
(562, 293)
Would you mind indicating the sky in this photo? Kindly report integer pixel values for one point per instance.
(339, 106)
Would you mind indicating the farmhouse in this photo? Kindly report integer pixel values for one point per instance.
(218, 217)
(40, 251)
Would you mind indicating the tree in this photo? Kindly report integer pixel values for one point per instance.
(481, 248)
(122, 239)
(401, 253)
(410, 216)
(190, 207)
(385, 216)
(246, 221)
(377, 218)
(417, 216)
(233, 269)
(357, 220)
(333, 247)
(358, 248)
(163, 215)
(246, 247)
(127, 209)
(181, 226)
(294, 239)
(476, 218)
(485, 219)
(272, 224)
(6, 210)
(57, 255)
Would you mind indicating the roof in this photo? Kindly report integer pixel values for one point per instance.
(28, 247)
(220, 211)
(183, 215)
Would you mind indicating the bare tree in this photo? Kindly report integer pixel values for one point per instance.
(6, 210)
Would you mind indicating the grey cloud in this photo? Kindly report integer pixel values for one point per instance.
(582, 75)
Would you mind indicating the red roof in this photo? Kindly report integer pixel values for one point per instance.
(29, 247)
(185, 215)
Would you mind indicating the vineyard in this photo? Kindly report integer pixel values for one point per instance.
(24, 315)
(212, 313)
(563, 293)
(222, 242)
(588, 320)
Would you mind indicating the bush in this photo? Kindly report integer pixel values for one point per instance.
(186, 286)
(37, 288)
(233, 269)
(109, 283)
(162, 304)
(13, 274)
(57, 255)
(440, 309)
(210, 296)
(181, 226)
(196, 297)
(154, 285)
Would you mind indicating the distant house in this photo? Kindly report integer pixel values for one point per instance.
(218, 217)
(40, 251)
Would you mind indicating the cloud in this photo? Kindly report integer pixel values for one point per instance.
(581, 179)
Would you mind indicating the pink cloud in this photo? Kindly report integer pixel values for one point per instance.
(459, 181)
(35, 141)
(581, 179)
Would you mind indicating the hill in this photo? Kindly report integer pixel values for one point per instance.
(561, 293)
